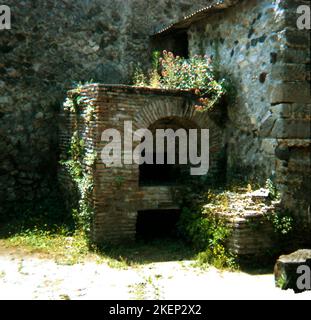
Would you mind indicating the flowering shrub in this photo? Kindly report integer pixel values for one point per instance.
(194, 74)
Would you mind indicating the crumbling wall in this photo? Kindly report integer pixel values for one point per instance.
(258, 46)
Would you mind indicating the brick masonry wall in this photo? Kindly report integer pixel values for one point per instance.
(259, 47)
(252, 235)
(117, 195)
(248, 215)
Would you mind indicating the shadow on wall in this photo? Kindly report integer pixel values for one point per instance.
(108, 73)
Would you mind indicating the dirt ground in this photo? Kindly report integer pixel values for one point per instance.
(30, 277)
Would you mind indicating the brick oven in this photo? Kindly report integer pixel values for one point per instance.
(119, 193)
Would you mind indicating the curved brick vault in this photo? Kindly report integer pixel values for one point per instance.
(117, 195)
(167, 107)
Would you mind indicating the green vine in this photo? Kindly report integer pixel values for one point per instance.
(73, 101)
(282, 222)
(274, 194)
(79, 163)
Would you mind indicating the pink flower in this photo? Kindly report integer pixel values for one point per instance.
(198, 108)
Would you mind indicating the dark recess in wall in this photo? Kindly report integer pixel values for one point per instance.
(177, 43)
(155, 224)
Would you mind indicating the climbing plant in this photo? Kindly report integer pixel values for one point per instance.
(79, 161)
(282, 220)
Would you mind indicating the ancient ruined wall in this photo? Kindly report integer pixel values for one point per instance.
(117, 194)
(241, 40)
(291, 111)
(51, 44)
(259, 47)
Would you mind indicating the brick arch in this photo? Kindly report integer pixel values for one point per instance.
(173, 122)
(162, 108)
(163, 174)
(179, 107)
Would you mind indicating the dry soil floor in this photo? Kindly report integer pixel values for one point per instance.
(30, 277)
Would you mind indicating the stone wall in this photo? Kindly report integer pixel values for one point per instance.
(258, 46)
(291, 104)
(117, 194)
(51, 44)
(249, 216)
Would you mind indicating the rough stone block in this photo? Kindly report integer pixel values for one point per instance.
(292, 55)
(290, 92)
(282, 110)
(301, 111)
(289, 72)
(286, 270)
(267, 126)
(268, 146)
(297, 38)
(291, 129)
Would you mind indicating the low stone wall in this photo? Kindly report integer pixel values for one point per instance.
(252, 235)
(247, 215)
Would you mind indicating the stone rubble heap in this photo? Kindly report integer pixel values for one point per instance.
(247, 214)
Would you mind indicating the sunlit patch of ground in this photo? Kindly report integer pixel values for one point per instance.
(26, 275)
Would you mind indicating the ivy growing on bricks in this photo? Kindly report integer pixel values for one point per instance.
(80, 160)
